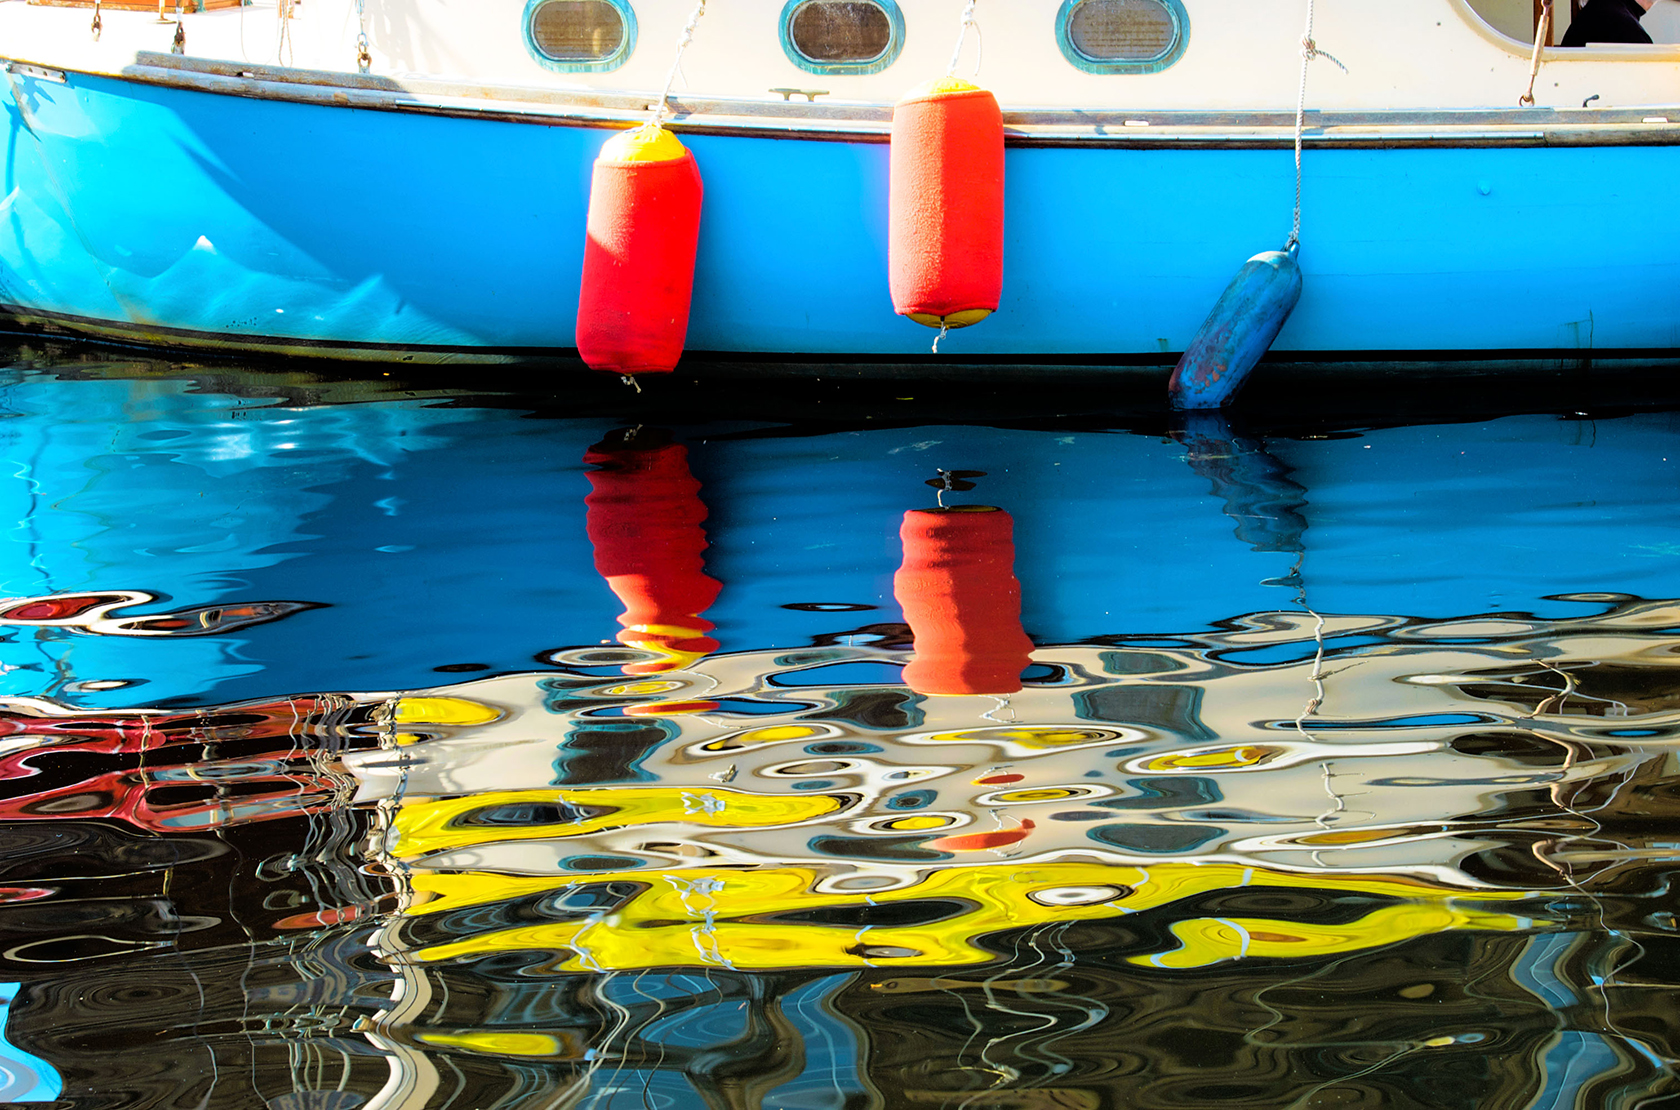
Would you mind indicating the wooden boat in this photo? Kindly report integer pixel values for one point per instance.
(259, 192)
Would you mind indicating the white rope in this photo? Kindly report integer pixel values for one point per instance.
(962, 37)
(1309, 51)
(283, 54)
(1317, 676)
(664, 104)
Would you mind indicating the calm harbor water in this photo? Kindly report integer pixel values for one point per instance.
(369, 742)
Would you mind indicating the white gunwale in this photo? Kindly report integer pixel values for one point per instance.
(1646, 125)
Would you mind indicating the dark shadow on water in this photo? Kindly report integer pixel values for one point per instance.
(1304, 399)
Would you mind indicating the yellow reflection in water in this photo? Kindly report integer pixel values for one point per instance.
(918, 823)
(1219, 759)
(1205, 941)
(425, 827)
(730, 917)
(1031, 736)
(443, 711)
(502, 1043)
(773, 734)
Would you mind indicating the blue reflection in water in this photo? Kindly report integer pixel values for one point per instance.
(831, 1079)
(23, 1077)
(447, 534)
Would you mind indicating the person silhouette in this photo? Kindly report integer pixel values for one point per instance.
(1608, 21)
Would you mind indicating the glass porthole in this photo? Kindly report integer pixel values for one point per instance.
(842, 36)
(1122, 36)
(580, 36)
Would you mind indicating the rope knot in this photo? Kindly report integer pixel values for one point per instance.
(1310, 50)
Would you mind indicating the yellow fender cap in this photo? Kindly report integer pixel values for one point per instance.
(940, 86)
(647, 143)
(959, 319)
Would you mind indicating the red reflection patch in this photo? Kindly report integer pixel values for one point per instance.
(24, 893)
(323, 917)
(976, 842)
(55, 608)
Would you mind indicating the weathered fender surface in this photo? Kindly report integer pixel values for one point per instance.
(1239, 330)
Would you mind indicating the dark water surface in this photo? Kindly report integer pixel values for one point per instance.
(366, 742)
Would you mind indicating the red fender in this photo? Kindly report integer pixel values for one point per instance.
(638, 259)
(945, 208)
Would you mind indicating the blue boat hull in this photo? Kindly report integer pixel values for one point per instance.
(183, 217)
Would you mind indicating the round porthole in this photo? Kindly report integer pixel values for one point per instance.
(1122, 36)
(842, 36)
(580, 36)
